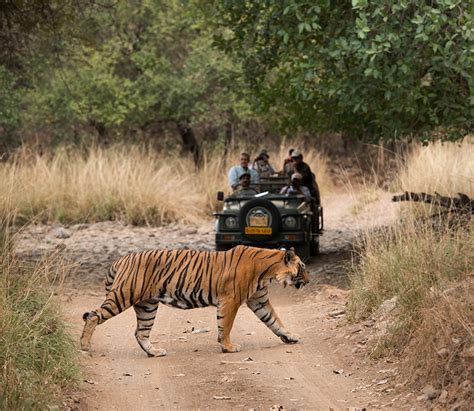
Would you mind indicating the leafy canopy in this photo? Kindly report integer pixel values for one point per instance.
(153, 62)
(370, 68)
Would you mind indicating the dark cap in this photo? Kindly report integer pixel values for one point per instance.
(245, 173)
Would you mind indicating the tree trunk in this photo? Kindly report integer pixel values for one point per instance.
(229, 138)
(101, 131)
(381, 158)
(188, 138)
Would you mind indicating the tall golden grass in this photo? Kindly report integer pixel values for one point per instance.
(426, 263)
(38, 359)
(446, 168)
(131, 184)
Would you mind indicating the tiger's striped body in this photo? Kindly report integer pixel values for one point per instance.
(191, 279)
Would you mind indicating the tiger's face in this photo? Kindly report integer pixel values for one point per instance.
(302, 277)
(297, 276)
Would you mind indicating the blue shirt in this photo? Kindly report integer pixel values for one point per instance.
(236, 171)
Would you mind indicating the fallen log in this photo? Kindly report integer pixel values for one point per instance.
(461, 204)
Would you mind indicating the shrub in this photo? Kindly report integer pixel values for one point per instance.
(37, 354)
(426, 263)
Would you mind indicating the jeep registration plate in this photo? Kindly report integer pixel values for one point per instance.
(258, 230)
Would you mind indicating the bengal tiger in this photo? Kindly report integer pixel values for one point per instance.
(191, 279)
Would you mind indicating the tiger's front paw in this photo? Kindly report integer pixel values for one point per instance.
(290, 338)
(230, 348)
(156, 352)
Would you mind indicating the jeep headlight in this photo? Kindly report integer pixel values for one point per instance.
(230, 222)
(290, 222)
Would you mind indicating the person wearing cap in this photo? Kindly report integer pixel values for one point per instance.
(243, 188)
(236, 171)
(287, 164)
(295, 187)
(309, 179)
(262, 166)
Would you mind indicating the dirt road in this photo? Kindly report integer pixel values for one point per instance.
(195, 374)
(324, 371)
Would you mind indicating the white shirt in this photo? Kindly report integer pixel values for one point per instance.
(291, 190)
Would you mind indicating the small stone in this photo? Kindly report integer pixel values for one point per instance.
(200, 330)
(337, 313)
(218, 397)
(443, 353)
(61, 233)
(466, 385)
(468, 352)
(341, 371)
(430, 392)
(443, 397)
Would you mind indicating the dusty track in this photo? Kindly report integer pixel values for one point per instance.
(323, 371)
(194, 372)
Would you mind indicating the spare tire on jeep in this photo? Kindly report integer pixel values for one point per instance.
(259, 220)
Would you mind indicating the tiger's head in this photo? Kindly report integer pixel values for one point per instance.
(295, 273)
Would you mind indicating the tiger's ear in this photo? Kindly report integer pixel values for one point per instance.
(289, 255)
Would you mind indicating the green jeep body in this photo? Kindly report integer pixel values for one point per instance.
(270, 219)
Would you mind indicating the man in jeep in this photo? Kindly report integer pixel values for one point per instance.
(243, 187)
(308, 177)
(295, 187)
(236, 171)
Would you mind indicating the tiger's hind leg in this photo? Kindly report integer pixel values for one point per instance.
(91, 321)
(260, 305)
(146, 313)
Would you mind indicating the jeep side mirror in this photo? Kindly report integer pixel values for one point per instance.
(220, 196)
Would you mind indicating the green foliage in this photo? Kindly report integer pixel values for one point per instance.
(155, 63)
(9, 100)
(378, 68)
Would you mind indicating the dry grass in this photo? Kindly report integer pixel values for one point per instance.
(446, 168)
(130, 184)
(37, 355)
(427, 266)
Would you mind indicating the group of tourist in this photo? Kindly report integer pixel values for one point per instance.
(245, 177)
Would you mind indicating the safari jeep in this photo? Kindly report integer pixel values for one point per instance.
(269, 219)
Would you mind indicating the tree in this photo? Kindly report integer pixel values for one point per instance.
(33, 37)
(154, 63)
(377, 69)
